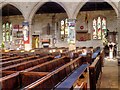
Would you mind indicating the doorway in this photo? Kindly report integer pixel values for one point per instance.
(35, 41)
(112, 37)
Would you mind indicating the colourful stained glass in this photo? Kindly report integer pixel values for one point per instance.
(99, 28)
(94, 29)
(11, 32)
(3, 36)
(3, 26)
(7, 36)
(3, 32)
(7, 32)
(7, 26)
(64, 29)
(104, 29)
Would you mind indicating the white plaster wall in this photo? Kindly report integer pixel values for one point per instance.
(40, 22)
(109, 15)
(111, 25)
(27, 7)
(39, 25)
(16, 20)
(91, 43)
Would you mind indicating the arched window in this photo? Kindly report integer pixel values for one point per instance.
(99, 28)
(7, 31)
(64, 29)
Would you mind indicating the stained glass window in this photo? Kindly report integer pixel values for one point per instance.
(3, 32)
(94, 29)
(11, 32)
(104, 28)
(64, 29)
(7, 32)
(99, 28)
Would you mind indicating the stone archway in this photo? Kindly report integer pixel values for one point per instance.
(7, 17)
(13, 4)
(111, 3)
(81, 4)
(39, 4)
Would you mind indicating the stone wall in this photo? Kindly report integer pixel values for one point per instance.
(39, 22)
(40, 25)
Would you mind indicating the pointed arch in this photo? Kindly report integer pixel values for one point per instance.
(81, 4)
(39, 4)
(14, 5)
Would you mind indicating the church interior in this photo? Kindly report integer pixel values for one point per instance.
(60, 45)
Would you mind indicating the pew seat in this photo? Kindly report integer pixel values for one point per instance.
(28, 77)
(68, 83)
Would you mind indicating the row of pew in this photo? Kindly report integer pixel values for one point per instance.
(11, 68)
(38, 72)
(67, 75)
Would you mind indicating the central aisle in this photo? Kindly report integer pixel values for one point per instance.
(109, 78)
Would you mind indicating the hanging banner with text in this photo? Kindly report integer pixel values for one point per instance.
(25, 32)
(71, 31)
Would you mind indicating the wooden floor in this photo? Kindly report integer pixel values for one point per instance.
(110, 78)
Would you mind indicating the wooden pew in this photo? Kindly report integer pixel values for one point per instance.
(27, 64)
(27, 78)
(6, 73)
(21, 81)
(95, 71)
(69, 82)
(44, 52)
(10, 82)
(49, 66)
(14, 78)
(90, 57)
(8, 63)
(42, 60)
(10, 58)
(52, 79)
(2, 57)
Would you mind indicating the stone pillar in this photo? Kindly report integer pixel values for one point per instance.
(30, 35)
(58, 32)
(118, 30)
(55, 35)
(0, 41)
(71, 34)
(1, 25)
(0, 30)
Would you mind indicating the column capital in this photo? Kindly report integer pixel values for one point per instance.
(118, 17)
(71, 19)
(26, 20)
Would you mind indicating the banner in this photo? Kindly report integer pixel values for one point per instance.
(71, 31)
(25, 32)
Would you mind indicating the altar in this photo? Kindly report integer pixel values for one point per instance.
(111, 49)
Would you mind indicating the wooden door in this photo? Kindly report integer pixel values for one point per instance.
(35, 41)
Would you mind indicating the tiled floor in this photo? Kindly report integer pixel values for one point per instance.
(110, 76)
